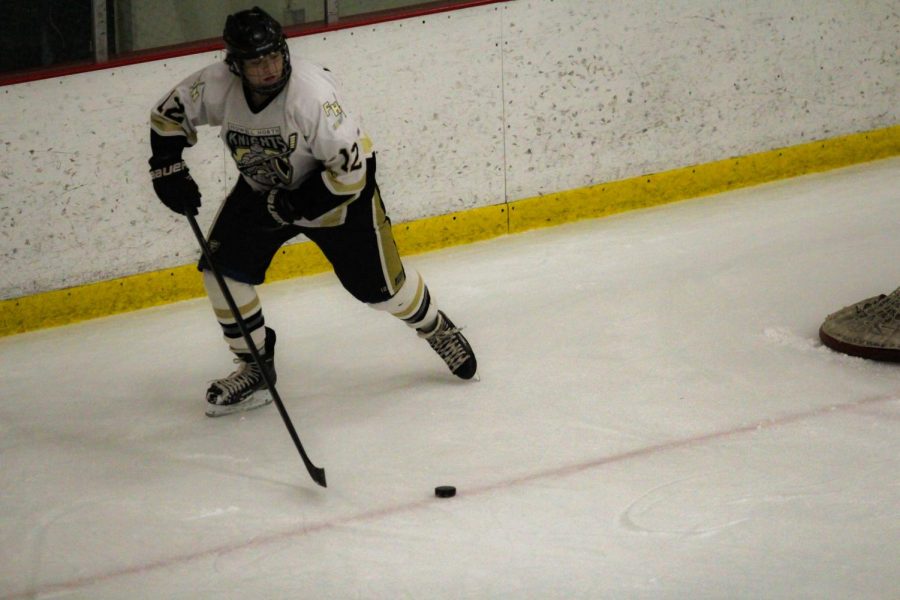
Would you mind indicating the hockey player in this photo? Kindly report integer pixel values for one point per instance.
(305, 167)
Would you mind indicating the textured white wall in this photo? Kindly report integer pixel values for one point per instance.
(469, 108)
(610, 89)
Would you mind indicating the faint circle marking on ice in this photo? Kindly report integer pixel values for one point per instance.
(661, 511)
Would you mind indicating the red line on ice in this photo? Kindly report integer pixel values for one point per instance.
(564, 471)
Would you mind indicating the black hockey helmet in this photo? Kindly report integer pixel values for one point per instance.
(253, 33)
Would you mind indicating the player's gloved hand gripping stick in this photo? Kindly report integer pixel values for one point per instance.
(317, 474)
(174, 185)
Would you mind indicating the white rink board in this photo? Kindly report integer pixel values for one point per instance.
(469, 108)
(603, 91)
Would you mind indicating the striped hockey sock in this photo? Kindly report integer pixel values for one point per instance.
(249, 307)
(412, 304)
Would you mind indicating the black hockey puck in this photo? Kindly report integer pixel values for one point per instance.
(445, 491)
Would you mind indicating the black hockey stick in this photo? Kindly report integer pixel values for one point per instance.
(317, 474)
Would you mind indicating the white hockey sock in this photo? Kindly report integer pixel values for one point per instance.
(248, 306)
(412, 303)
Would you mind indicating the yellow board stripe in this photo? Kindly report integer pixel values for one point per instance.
(134, 292)
(700, 180)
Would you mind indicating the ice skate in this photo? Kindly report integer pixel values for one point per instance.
(452, 346)
(245, 389)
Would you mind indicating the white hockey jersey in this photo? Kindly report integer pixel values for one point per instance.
(302, 129)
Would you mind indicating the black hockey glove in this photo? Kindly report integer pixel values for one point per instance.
(174, 185)
(310, 201)
(283, 206)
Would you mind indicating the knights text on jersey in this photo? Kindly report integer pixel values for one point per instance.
(304, 128)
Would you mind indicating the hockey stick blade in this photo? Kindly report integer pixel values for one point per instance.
(317, 474)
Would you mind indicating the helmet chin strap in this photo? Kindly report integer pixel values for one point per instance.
(266, 90)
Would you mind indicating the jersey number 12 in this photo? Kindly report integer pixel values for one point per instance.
(351, 159)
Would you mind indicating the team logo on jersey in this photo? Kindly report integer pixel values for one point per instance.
(334, 113)
(197, 90)
(262, 154)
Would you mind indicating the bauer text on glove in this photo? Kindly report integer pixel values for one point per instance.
(174, 185)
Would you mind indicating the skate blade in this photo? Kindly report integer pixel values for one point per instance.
(258, 399)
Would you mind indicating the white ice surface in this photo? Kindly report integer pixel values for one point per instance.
(656, 418)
